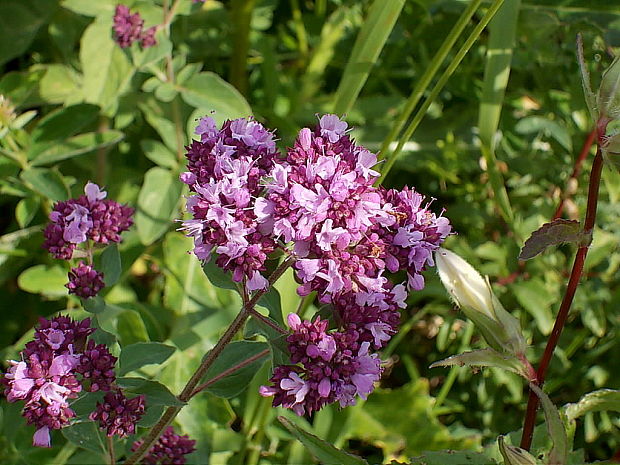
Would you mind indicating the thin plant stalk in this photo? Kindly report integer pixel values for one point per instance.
(571, 288)
(429, 74)
(242, 17)
(439, 86)
(189, 390)
(111, 452)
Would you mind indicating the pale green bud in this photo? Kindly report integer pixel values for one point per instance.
(473, 294)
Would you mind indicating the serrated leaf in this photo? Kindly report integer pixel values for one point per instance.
(559, 452)
(42, 279)
(157, 202)
(485, 358)
(156, 393)
(110, 264)
(52, 152)
(559, 231)
(137, 355)
(234, 354)
(49, 183)
(597, 401)
(322, 450)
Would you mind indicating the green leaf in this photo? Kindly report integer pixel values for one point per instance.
(164, 127)
(86, 435)
(597, 401)
(558, 231)
(26, 210)
(42, 279)
(502, 32)
(515, 455)
(19, 24)
(452, 457)
(107, 71)
(271, 301)
(156, 393)
(217, 276)
(536, 297)
(49, 183)
(485, 358)
(210, 92)
(166, 92)
(159, 154)
(137, 355)
(60, 84)
(157, 203)
(110, 265)
(535, 124)
(131, 328)
(322, 450)
(144, 57)
(65, 122)
(43, 154)
(372, 37)
(94, 305)
(98, 8)
(233, 354)
(555, 428)
(186, 289)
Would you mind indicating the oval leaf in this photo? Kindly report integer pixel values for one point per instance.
(42, 279)
(157, 204)
(557, 232)
(139, 354)
(72, 147)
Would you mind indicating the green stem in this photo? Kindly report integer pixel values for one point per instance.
(241, 18)
(188, 390)
(111, 453)
(454, 371)
(439, 86)
(65, 453)
(300, 31)
(428, 75)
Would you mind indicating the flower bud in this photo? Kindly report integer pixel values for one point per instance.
(473, 294)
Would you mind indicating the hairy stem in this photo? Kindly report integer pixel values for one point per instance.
(576, 171)
(267, 321)
(190, 387)
(573, 282)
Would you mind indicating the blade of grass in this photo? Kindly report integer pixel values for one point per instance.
(379, 23)
(496, 72)
(439, 86)
(428, 75)
(241, 13)
(332, 32)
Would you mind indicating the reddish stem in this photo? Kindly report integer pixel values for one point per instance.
(573, 282)
(576, 170)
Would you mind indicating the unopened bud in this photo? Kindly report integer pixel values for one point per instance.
(473, 294)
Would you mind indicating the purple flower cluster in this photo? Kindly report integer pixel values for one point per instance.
(117, 414)
(55, 367)
(128, 29)
(225, 170)
(319, 204)
(75, 221)
(170, 449)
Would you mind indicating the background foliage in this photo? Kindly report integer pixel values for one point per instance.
(79, 108)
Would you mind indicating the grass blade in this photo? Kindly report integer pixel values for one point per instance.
(381, 19)
(496, 72)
